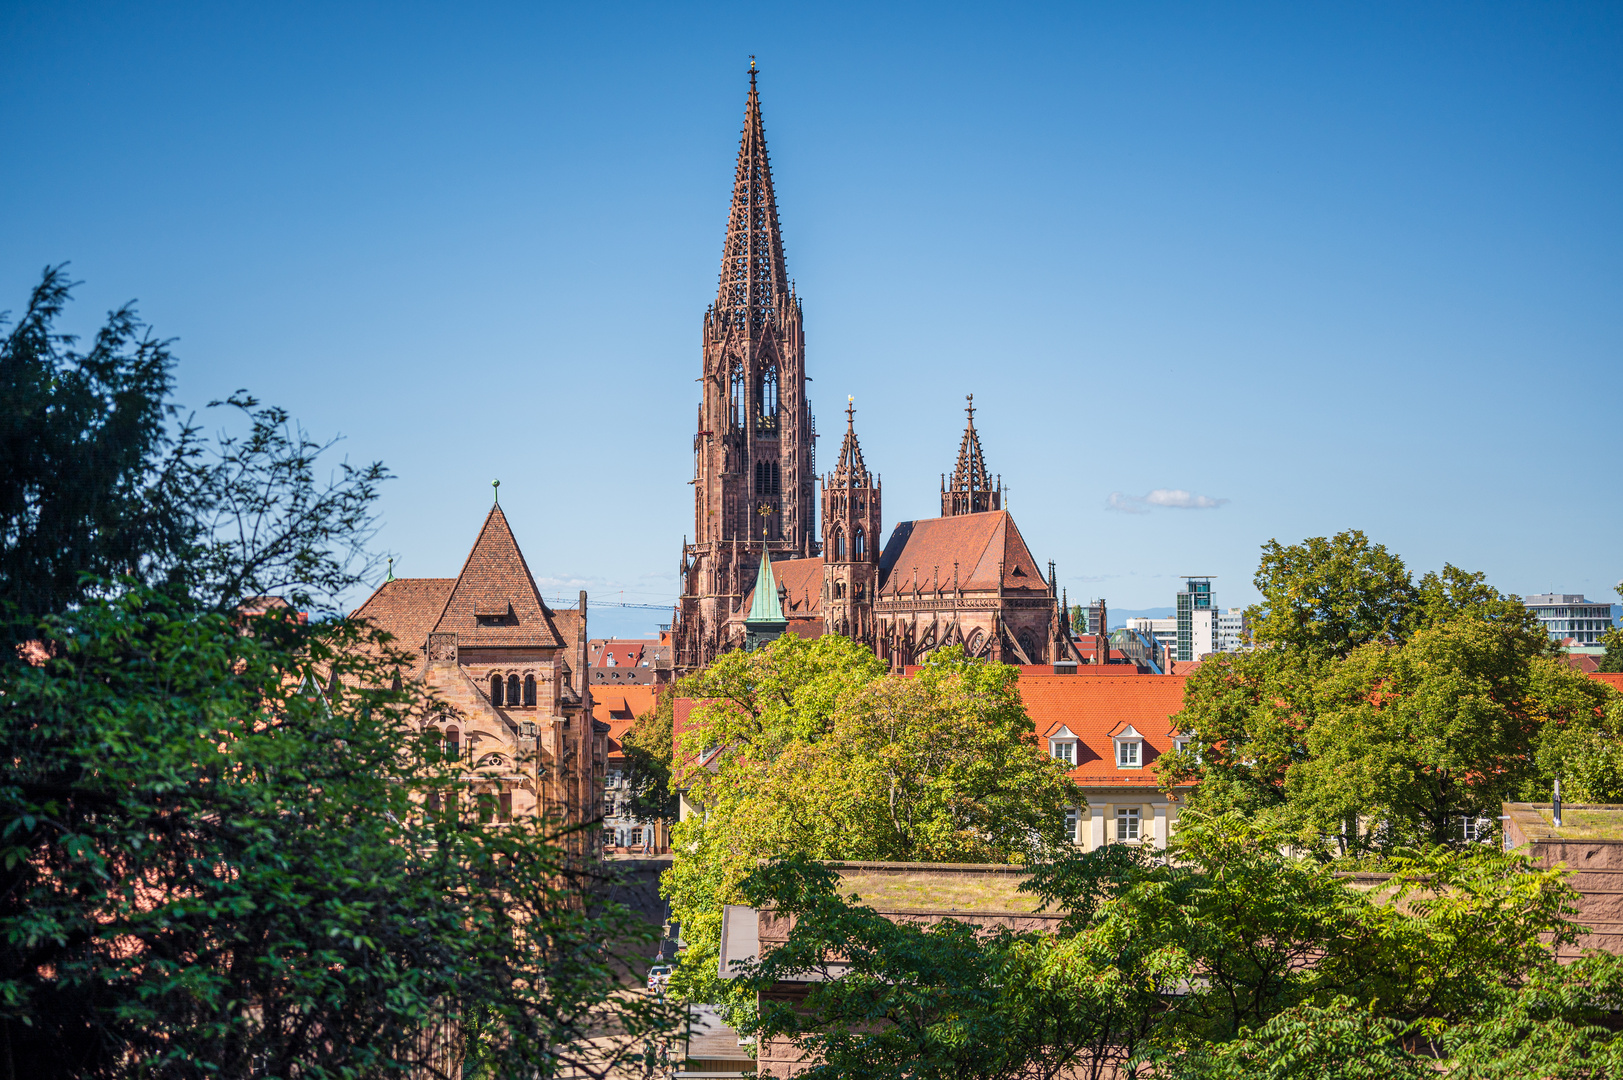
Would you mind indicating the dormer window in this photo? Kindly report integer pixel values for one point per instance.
(1129, 748)
(1062, 746)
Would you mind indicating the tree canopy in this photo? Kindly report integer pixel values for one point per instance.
(1388, 713)
(823, 754)
(225, 854)
(1233, 958)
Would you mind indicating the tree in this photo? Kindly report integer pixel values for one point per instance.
(1325, 597)
(1412, 738)
(93, 472)
(824, 754)
(1612, 661)
(650, 749)
(1380, 712)
(218, 856)
(1234, 958)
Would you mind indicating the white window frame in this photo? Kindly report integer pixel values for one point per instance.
(1129, 736)
(1129, 824)
(1063, 745)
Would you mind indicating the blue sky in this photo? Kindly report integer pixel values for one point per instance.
(1325, 266)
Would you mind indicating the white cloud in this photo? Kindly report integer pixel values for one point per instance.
(1173, 498)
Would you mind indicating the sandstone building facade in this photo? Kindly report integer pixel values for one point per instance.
(511, 673)
(966, 578)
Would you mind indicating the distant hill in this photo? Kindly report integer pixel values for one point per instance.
(1118, 616)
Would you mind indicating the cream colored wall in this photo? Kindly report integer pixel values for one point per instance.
(1157, 816)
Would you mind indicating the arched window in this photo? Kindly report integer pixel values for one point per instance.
(839, 545)
(431, 741)
(739, 405)
(495, 689)
(512, 691)
(453, 744)
(767, 395)
(859, 544)
(529, 690)
(839, 590)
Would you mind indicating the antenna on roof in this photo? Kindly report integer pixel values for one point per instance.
(496, 489)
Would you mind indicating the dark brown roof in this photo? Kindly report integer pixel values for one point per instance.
(495, 580)
(976, 542)
(407, 609)
(803, 578)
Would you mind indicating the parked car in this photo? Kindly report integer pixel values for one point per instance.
(658, 976)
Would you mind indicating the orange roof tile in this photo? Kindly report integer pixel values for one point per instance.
(1093, 707)
(926, 551)
(1614, 679)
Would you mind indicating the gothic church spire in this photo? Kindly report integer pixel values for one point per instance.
(971, 490)
(754, 284)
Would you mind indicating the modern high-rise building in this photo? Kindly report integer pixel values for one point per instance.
(1231, 630)
(1569, 615)
(1197, 620)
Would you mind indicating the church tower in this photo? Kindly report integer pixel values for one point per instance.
(971, 490)
(851, 541)
(753, 457)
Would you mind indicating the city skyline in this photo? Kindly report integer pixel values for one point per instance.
(1212, 279)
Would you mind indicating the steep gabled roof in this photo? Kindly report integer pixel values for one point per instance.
(976, 542)
(495, 601)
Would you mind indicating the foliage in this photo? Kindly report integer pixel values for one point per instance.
(215, 855)
(93, 480)
(1234, 957)
(1381, 712)
(825, 755)
(207, 859)
(1612, 659)
(943, 1000)
(650, 751)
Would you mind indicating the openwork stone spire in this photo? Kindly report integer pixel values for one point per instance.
(849, 471)
(972, 490)
(754, 285)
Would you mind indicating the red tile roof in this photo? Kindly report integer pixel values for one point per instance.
(496, 580)
(1093, 707)
(619, 707)
(1614, 679)
(926, 551)
(407, 608)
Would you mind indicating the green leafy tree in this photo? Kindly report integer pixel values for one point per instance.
(1612, 660)
(218, 857)
(650, 753)
(1325, 597)
(1237, 957)
(822, 753)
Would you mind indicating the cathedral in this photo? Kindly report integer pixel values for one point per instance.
(755, 569)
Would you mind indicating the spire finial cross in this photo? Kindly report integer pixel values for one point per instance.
(970, 408)
(850, 411)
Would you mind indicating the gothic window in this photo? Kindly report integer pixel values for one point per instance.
(453, 744)
(740, 406)
(859, 544)
(839, 590)
(839, 545)
(512, 690)
(767, 395)
(768, 478)
(529, 690)
(496, 690)
(975, 641)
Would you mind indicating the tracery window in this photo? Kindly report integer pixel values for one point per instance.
(738, 414)
(767, 394)
(839, 545)
(859, 544)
